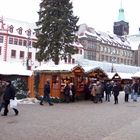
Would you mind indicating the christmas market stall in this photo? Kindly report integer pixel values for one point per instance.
(58, 75)
(95, 73)
(18, 75)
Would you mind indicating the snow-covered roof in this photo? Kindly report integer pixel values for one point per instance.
(136, 75)
(120, 74)
(55, 68)
(106, 66)
(7, 68)
(134, 41)
(111, 74)
(104, 37)
(17, 24)
(77, 44)
(125, 75)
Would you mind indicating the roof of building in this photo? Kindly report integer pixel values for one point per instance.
(13, 68)
(107, 38)
(7, 22)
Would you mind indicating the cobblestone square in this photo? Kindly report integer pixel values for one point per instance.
(82, 120)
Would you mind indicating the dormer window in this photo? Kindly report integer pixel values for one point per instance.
(19, 30)
(11, 28)
(28, 32)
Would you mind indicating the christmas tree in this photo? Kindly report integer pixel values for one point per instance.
(56, 30)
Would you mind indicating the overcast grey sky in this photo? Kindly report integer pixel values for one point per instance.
(99, 14)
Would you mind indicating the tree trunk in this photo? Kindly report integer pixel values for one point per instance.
(56, 60)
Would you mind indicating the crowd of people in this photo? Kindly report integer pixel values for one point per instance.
(95, 91)
(98, 91)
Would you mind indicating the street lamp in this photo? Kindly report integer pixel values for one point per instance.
(113, 60)
(28, 32)
(112, 67)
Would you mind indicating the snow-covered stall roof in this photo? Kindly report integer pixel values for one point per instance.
(110, 74)
(12, 68)
(56, 68)
(106, 66)
(120, 74)
(125, 75)
(89, 69)
(136, 75)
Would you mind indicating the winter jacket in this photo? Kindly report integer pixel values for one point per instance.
(9, 92)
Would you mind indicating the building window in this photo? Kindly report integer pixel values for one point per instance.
(10, 40)
(0, 50)
(28, 32)
(15, 41)
(20, 42)
(21, 54)
(29, 55)
(25, 43)
(73, 60)
(20, 31)
(80, 51)
(11, 29)
(1, 39)
(29, 43)
(13, 53)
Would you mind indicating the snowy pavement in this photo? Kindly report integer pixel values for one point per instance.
(82, 120)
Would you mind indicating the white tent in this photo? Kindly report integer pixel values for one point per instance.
(9, 68)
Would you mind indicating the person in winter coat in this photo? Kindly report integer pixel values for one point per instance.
(93, 92)
(127, 90)
(73, 92)
(115, 90)
(2, 89)
(9, 93)
(108, 88)
(46, 93)
(135, 90)
(67, 92)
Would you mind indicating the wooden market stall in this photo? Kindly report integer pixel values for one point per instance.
(19, 76)
(95, 73)
(58, 75)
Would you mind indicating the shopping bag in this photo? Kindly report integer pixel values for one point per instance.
(13, 103)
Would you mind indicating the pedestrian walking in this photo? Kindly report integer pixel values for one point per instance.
(2, 88)
(46, 93)
(127, 90)
(72, 92)
(67, 92)
(9, 94)
(135, 90)
(115, 90)
(108, 88)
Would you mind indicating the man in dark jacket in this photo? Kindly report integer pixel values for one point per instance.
(46, 93)
(115, 90)
(9, 93)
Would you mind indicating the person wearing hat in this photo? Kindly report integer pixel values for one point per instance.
(9, 93)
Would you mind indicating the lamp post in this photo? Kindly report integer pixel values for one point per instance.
(28, 32)
(112, 67)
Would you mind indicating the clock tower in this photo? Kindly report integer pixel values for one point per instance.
(121, 27)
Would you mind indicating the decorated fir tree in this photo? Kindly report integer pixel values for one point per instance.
(56, 30)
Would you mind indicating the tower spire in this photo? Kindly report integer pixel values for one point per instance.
(121, 16)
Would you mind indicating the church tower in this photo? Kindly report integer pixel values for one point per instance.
(121, 27)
